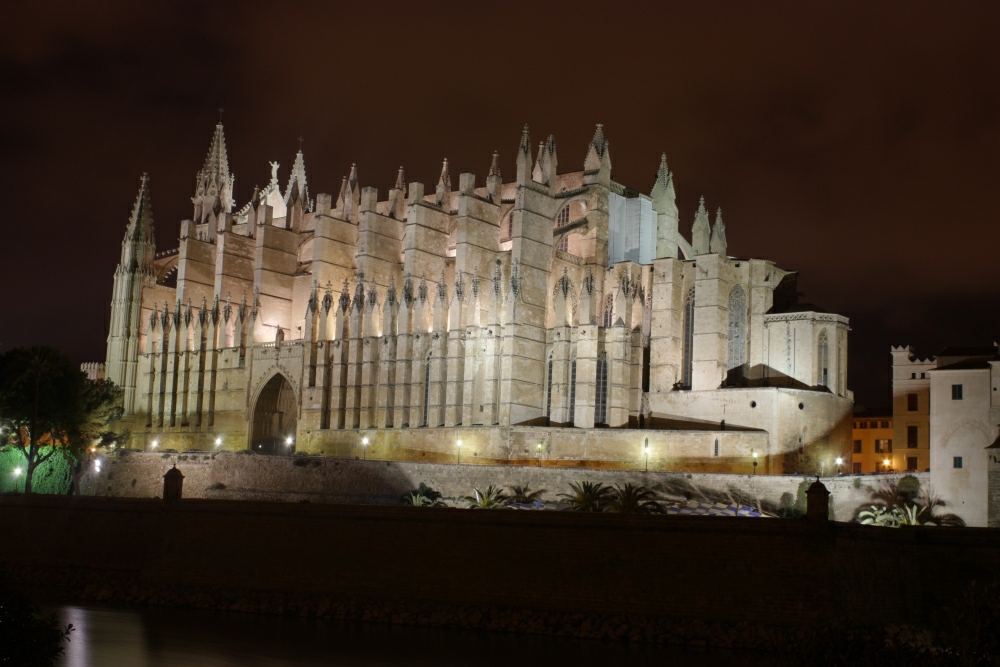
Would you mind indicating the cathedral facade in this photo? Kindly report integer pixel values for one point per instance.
(556, 315)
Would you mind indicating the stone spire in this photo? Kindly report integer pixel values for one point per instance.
(444, 186)
(524, 157)
(350, 195)
(494, 181)
(664, 202)
(297, 188)
(701, 232)
(214, 189)
(400, 180)
(718, 243)
(597, 164)
(135, 271)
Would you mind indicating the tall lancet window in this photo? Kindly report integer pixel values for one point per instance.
(427, 389)
(548, 390)
(572, 392)
(688, 359)
(823, 357)
(737, 332)
(561, 221)
(601, 398)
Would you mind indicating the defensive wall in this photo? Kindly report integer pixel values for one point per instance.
(740, 582)
(318, 479)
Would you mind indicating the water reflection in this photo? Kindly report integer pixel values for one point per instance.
(157, 637)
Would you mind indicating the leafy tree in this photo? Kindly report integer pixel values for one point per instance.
(632, 499)
(490, 499)
(587, 496)
(27, 638)
(101, 403)
(40, 403)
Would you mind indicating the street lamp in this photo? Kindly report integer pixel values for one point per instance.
(459, 443)
(885, 465)
(218, 442)
(646, 450)
(155, 443)
(364, 448)
(288, 441)
(754, 452)
(17, 471)
(538, 449)
(840, 462)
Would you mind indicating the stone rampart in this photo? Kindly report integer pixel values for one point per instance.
(349, 481)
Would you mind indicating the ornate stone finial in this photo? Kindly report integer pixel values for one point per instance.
(187, 314)
(256, 300)
(564, 282)
(422, 289)
(588, 281)
(525, 145)
(390, 294)
(599, 143)
(328, 297)
(408, 290)
(228, 310)
(459, 287)
(372, 295)
(475, 286)
(203, 311)
(359, 293)
(442, 289)
(718, 243)
(497, 281)
(515, 281)
(495, 165)
(313, 304)
(550, 144)
(400, 179)
(445, 179)
(352, 180)
(243, 309)
(345, 297)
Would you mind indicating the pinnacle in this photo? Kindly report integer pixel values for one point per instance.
(525, 146)
(599, 143)
(495, 165)
(445, 179)
(353, 178)
(400, 179)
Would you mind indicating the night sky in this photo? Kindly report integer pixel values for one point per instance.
(858, 143)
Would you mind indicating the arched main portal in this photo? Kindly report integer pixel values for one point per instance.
(274, 418)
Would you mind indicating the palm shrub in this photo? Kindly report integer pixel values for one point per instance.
(587, 496)
(490, 499)
(522, 495)
(631, 499)
(422, 496)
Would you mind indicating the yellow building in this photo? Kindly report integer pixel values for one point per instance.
(873, 447)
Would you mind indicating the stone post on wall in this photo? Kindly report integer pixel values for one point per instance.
(817, 502)
(173, 483)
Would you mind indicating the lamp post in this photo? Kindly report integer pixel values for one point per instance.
(155, 443)
(840, 462)
(218, 442)
(885, 465)
(288, 441)
(646, 450)
(459, 443)
(754, 452)
(364, 449)
(538, 449)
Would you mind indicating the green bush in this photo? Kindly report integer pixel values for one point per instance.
(52, 477)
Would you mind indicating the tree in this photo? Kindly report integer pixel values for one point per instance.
(422, 496)
(40, 402)
(587, 496)
(523, 495)
(632, 499)
(101, 408)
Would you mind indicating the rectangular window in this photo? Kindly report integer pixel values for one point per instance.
(883, 446)
(857, 468)
(956, 462)
(912, 433)
(913, 376)
(923, 376)
(956, 392)
(911, 402)
(911, 463)
(885, 424)
(857, 446)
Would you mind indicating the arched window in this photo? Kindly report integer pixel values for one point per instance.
(548, 390)
(572, 392)
(601, 398)
(427, 388)
(688, 359)
(737, 330)
(823, 356)
(561, 221)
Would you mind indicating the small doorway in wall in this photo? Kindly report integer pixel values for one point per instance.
(275, 416)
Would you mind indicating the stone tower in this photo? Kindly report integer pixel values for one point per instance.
(214, 189)
(135, 270)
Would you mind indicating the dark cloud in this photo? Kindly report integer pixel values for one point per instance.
(857, 143)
